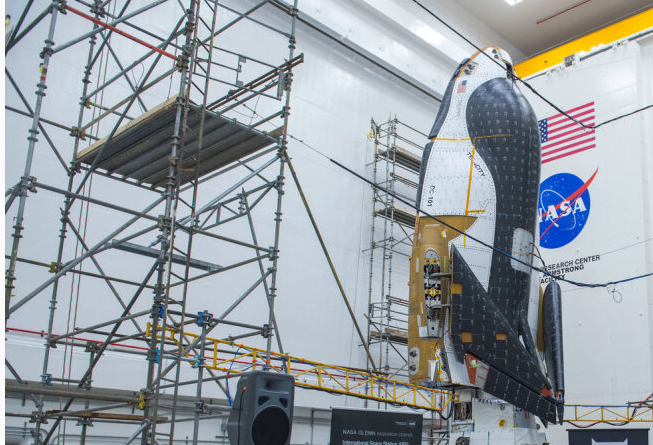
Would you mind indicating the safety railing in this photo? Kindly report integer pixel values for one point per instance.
(609, 413)
(235, 358)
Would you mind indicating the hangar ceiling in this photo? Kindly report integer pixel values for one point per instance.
(534, 26)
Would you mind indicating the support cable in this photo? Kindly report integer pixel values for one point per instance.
(526, 84)
(462, 232)
(328, 258)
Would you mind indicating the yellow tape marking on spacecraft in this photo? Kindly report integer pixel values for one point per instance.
(471, 169)
(469, 184)
(314, 375)
(609, 413)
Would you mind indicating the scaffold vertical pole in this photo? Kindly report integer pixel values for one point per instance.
(193, 210)
(204, 321)
(65, 212)
(283, 145)
(167, 229)
(23, 186)
(374, 133)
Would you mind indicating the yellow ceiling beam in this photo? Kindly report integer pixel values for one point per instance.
(609, 34)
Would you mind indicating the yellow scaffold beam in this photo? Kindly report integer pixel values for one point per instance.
(235, 358)
(609, 413)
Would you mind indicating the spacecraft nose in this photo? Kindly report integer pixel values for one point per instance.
(497, 53)
(494, 60)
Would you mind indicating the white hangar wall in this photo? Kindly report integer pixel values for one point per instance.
(335, 92)
(608, 350)
(608, 237)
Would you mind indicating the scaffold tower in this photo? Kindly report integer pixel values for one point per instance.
(396, 160)
(395, 168)
(196, 128)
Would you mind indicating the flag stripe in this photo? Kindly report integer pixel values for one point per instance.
(567, 154)
(575, 130)
(571, 124)
(576, 144)
(553, 144)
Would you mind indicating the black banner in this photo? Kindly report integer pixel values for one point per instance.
(367, 427)
(608, 437)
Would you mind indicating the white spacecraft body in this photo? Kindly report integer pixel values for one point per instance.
(482, 171)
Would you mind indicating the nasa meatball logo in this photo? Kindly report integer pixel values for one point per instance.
(564, 207)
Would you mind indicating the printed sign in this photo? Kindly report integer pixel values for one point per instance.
(608, 437)
(368, 427)
(563, 209)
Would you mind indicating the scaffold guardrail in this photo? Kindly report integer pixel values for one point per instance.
(639, 412)
(236, 358)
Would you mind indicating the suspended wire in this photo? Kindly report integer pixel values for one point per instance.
(462, 232)
(627, 247)
(596, 423)
(227, 379)
(526, 84)
(75, 287)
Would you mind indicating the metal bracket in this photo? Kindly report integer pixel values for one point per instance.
(199, 362)
(98, 9)
(46, 379)
(54, 267)
(37, 416)
(201, 407)
(85, 421)
(163, 222)
(204, 318)
(46, 51)
(76, 132)
(158, 309)
(141, 401)
(154, 356)
(31, 185)
(570, 60)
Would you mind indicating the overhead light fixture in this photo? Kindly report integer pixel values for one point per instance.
(512, 2)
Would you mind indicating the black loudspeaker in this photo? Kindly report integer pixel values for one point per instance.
(262, 409)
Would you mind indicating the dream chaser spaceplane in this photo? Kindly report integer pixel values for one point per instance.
(469, 304)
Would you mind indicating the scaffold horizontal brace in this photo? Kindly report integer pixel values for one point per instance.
(234, 358)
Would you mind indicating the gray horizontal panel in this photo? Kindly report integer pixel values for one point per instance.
(141, 149)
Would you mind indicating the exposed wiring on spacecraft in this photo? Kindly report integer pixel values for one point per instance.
(462, 232)
(526, 84)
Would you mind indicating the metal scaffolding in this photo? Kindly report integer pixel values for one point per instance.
(209, 116)
(395, 167)
(195, 131)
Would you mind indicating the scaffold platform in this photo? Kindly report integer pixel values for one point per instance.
(402, 215)
(403, 157)
(391, 334)
(141, 148)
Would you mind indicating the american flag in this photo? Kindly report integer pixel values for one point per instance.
(462, 86)
(561, 137)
